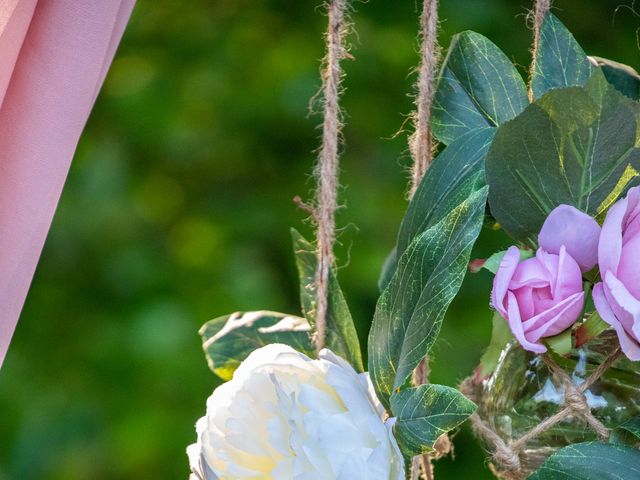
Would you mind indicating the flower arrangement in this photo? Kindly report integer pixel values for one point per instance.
(557, 393)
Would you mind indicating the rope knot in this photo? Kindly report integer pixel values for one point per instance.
(576, 401)
(506, 457)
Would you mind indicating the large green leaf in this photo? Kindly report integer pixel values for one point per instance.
(575, 146)
(228, 340)
(341, 335)
(388, 269)
(560, 60)
(409, 312)
(591, 461)
(628, 432)
(623, 77)
(478, 87)
(426, 412)
(455, 173)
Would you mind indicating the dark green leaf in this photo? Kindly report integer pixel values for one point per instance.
(388, 269)
(342, 337)
(410, 310)
(623, 77)
(628, 432)
(426, 412)
(478, 87)
(575, 146)
(591, 461)
(228, 340)
(455, 173)
(560, 60)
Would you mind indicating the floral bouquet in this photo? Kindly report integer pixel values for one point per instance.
(557, 393)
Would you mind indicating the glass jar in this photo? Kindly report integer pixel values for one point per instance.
(521, 393)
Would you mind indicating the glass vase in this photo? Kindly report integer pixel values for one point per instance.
(521, 393)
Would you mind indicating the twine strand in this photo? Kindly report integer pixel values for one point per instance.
(421, 141)
(421, 147)
(540, 10)
(326, 170)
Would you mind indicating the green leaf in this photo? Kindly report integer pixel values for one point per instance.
(410, 310)
(561, 343)
(591, 328)
(500, 336)
(478, 87)
(623, 77)
(575, 146)
(455, 173)
(342, 337)
(627, 433)
(388, 269)
(493, 262)
(426, 412)
(591, 461)
(560, 60)
(228, 340)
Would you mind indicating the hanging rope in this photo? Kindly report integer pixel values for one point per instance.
(540, 10)
(421, 147)
(421, 142)
(508, 456)
(326, 170)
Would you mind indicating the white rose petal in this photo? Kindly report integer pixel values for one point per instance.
(285, 416)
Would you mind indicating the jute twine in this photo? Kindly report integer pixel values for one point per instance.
(537, 17)
(508, 456)
(421, 141)
(326, 170)
(421, 146)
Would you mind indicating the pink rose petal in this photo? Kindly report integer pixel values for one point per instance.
(503, 276)
(629, 346)
(555, 320)
(515, 324)
(577, 231)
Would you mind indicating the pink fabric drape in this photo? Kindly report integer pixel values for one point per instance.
(54, 55)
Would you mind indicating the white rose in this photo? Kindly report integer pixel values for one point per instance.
(286, 416)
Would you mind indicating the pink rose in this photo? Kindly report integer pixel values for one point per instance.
(543, 296)
(617, 296)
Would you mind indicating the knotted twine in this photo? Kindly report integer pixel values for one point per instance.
(421, 147)
(507, 455)
(326, 170)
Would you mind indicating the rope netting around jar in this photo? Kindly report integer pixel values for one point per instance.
(511, 459)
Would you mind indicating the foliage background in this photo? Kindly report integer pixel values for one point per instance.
(178, 208)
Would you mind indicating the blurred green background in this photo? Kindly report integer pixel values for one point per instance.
(178, 208)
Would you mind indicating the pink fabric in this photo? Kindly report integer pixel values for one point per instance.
(54, 55)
